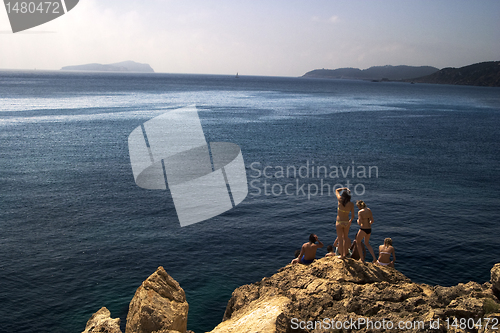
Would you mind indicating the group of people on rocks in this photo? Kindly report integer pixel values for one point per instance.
(343, 246)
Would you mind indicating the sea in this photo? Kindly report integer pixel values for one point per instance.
(77, 233)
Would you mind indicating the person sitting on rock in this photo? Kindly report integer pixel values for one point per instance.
(296, 255)
(349, 246)
(354, 250)
(330, 253)
(385, 251)
(308, 251)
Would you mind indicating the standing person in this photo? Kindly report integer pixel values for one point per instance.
(365, 221)
(385, 251)
(308, 251)
(345, 206)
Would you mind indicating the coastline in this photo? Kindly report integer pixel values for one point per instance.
(329, 294)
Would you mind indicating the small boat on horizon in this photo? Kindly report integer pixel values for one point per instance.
(237, 76)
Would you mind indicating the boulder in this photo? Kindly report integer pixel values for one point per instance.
(101, 322)
(159, 305)
(258, 316)
(495, 277)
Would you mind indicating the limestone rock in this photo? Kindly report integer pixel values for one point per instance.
(331, 291)
(315, 298)
(159, 305)
(495, 277)
(101, 322)
(258, 316)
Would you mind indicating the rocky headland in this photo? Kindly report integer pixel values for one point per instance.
(376, 73)
(330, 295)
(486, 74)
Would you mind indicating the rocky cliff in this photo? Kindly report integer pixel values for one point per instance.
(329, 295)
(349, 296)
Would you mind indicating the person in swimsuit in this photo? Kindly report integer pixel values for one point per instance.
(385, 251)
(365, 221)
(345, 206)
(297, 252)
(330, 253)
(308, 251)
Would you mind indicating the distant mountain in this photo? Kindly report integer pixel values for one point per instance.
(124, 66)
(480, 74)
(373, 73)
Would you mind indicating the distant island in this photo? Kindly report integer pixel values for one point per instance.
(486, 74)
(385, 73)
(124, 66)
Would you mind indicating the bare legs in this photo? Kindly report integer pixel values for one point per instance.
(342, 234)
(359, 237)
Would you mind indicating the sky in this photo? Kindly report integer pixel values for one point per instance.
(259, 37)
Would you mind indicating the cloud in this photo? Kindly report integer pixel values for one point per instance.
(226, 37)
(331, 19)
(334, 19)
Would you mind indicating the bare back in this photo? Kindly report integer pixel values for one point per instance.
(309, 250)
(365, 218)
(343, 211)
(385, 253)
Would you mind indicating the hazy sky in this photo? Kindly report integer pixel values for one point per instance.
(259, 37)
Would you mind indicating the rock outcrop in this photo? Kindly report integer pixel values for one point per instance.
(328, 295)
(159, 305)
(495, 277)
(331, 294)
(101, 322)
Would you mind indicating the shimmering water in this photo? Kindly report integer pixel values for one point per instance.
(78, 234)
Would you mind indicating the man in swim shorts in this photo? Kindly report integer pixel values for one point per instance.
(308, 251)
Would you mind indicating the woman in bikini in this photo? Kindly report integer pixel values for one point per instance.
(345, 206)
(365, 221)
(385, 252)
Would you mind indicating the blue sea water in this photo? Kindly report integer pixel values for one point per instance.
(77, 234)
